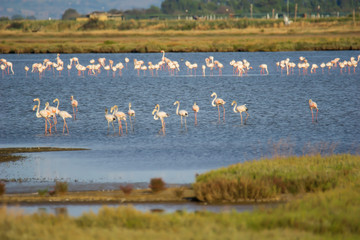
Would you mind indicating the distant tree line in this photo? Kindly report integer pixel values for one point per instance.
(236, 7)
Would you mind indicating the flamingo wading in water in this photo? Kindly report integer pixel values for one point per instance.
(120, 116)
(74, 105)
(110, 118)
(196, 110)
(217, 102)
(313, 105)
(157, 114)
(63, 115)
(42, 114)
(240, 109)
(181, 113)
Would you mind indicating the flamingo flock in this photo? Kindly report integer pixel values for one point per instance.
(240, 67)
(49, 113)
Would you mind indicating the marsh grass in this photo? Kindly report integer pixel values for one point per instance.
(268, 178)
(177, 36)
(61, 187)
(322, 215)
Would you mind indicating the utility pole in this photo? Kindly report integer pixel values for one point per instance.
(251, 10)
(354, 17)
(288, 8)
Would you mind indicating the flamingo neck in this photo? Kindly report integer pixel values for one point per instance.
(177, 109)
(235, 107)
(57, 106)
(213, 102)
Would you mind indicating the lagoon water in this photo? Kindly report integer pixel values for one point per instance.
(279, 123)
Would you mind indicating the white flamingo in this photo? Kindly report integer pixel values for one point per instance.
(240, 109)
(160, 115)
(217, 102)
(181, 113)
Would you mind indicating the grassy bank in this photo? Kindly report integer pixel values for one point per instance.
(178, 36)
(323, 215)
(269, 178)
(325, 205)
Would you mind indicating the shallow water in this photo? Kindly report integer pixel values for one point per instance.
(278, 108)
(76, 210)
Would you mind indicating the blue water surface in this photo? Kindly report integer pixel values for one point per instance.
(280, 120)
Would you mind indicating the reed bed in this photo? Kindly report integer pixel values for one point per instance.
(266, 179)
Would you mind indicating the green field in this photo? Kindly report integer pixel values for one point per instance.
(142, 36)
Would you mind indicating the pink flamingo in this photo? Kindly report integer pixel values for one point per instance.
(196, 109)
(217, 102)
(74, 105)
(313, 105)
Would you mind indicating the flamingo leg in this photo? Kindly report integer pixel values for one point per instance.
(317, 110)
(64, 126)
(120, 127)
(195, 118)
(45, 126)
(247, 115)
(224, 112)
(312, 114)
(126, 126)
(219, 112)
(241, 118)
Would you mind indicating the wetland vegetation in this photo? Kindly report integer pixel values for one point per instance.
(230, 35)
(321, 193)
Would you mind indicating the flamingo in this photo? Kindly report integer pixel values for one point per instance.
(157, 114)
(126, 61)
(217, 102)
(131, 112)
(240, 109)
(110, 118)
(120, 116)
(313, 105)
(42, 114)
(54, 111)
(74, 105)
(196, 109)
(181, 113)
(63, 115)
(263, 69)
(26, 69)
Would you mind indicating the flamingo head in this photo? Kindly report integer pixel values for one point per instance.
(177, 102)
(34, 107)
(106, 110)
(213, 94)
(115, 107)
(310, 101)
(47, 104)
(129, 104)
(56, 100)
(234, 102)
(72, 97)
(153, 112)
(36, 99)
